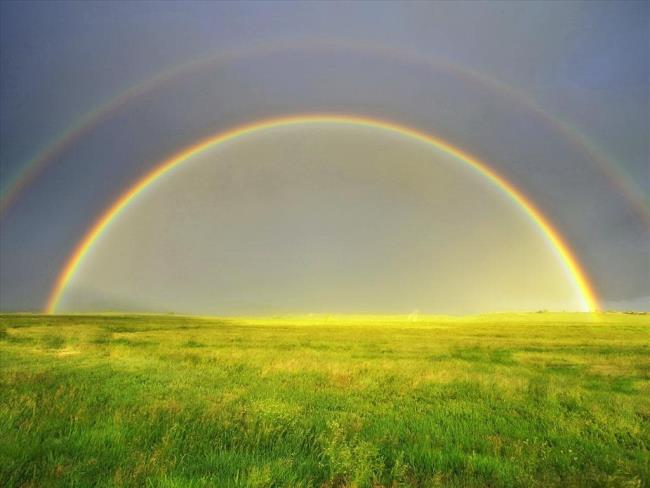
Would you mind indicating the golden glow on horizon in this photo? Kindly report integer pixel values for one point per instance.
(570, 262)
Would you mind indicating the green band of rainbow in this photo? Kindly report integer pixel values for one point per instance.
(570, 262)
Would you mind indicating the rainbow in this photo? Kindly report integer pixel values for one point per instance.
(617, 176)
(570, 262)
(59, 144)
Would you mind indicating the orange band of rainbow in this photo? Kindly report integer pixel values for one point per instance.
(590, 302)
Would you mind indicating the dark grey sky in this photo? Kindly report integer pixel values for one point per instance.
(582, 63)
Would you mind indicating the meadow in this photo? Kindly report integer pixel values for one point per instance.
(499, 400)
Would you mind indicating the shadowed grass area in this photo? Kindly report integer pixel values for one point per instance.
(499, 400)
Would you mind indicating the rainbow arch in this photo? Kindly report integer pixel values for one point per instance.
(15, 184)
(554, 238)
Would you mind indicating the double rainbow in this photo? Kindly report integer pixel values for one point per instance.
(15, 184)
(553, 237)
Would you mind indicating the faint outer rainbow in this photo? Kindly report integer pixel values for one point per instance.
(15, 184)
(570, 262)
(59, 144)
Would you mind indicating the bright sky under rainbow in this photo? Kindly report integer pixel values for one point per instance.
(555, 240)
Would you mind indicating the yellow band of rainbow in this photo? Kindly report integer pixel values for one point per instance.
(588, 295)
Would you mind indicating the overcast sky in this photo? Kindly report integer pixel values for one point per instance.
(553, 95)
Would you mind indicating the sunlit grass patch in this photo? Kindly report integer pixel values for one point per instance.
(53, 341)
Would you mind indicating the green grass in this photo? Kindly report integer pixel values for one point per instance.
(500, 400)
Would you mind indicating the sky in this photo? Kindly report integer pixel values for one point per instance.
(553, 96)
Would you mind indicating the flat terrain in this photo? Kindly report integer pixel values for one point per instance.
(499, 400)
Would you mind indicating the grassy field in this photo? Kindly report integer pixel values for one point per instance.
(500, 400)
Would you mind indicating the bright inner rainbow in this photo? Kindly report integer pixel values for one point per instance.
(573, 267)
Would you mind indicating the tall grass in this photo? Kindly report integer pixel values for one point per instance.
(501, 400)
